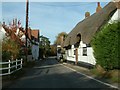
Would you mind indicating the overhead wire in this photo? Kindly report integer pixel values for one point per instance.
(67, 4)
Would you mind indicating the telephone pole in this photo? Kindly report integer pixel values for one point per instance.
(26, 28)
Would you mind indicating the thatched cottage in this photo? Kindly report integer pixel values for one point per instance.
(77, 43)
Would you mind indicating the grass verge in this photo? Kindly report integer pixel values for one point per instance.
(112, 75)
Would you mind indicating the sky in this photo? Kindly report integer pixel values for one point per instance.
(50, 18)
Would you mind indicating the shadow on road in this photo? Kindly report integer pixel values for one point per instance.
(51, 74)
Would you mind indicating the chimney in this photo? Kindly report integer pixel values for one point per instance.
(98, 7)
(87, 14)
(98, 3)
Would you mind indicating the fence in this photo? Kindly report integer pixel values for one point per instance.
(10, 67)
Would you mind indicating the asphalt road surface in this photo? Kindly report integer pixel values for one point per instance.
(52, 74)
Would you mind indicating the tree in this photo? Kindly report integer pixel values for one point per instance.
(53, 50)
(60, 38)
(106, 46)
(44, 46)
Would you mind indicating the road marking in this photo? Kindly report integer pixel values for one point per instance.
(91, 77)
(48, 66)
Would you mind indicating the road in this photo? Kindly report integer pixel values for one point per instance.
(51, 74)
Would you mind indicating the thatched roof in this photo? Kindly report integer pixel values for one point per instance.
(89, 26)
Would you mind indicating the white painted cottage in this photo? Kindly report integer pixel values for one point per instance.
(35, 44)
(77, 43)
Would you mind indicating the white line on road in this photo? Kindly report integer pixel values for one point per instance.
(91, 77)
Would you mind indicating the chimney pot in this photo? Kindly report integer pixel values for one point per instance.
(98, 7)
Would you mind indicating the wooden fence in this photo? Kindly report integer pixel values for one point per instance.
(10, 67)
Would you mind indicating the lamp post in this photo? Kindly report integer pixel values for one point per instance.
(26, 28)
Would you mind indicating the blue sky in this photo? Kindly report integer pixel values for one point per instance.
(50, 18)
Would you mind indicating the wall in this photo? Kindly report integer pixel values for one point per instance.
(116, 16)
(70, 54)
(2, 32)
(35, 51)
(87, 59)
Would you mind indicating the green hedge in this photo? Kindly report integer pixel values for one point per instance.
(106, 47)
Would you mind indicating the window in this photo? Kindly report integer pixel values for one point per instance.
(74, 52)
(88, 45)
(84, 51)
(59, 50)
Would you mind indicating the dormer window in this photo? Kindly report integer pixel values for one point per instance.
(78, 38)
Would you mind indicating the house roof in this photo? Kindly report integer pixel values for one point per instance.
(29, 33)
(12, 35)
(11, 32)
(35, 33)
(117, 2)
(89, 26)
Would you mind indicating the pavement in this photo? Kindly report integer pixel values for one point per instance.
(51, 74)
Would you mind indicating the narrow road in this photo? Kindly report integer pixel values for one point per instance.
(51, 74)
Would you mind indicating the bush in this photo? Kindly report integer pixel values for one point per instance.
(10, 49)
(6, 56)
(105, 46)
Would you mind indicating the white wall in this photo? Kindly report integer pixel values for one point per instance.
(70, 54)
(2, 32)
(35, 51)
(23, 38)
(87, 59)
(116, 16)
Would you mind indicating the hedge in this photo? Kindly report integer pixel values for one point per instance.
(106, 47)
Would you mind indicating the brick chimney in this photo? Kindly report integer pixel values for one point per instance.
(98, 7)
